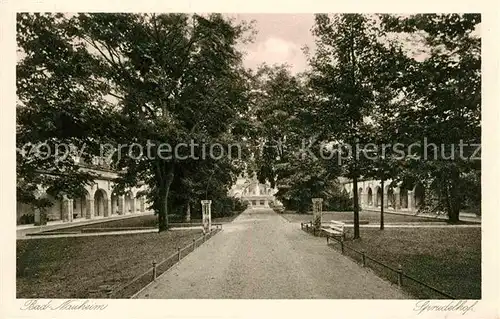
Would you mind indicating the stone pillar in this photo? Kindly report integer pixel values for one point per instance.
(317, 212)
(90, 209)
(71, 211)
(143, 204)
(385, 200)
(66, 210)
(188, 212)
(121, 205)
(266, 203)
(397, 200)
(411, 201)
(133, 205)
(40, 217)
(107, 208)
(206, 215)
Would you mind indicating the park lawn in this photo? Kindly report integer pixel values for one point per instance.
(78, 267)
(370, 216)
(143, 221)
(447, 258)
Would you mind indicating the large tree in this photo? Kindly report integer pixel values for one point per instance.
(345, 78)
(444, 85)
(59, 110)
(283, 115)
(168, 79)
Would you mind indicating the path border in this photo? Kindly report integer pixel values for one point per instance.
(217, 231)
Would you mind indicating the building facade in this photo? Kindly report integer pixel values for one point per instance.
(395, 198)
(98, 201)
(252, 192)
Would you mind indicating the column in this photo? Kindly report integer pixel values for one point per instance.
(90, 209)
(411, 201)
(133, 205)
(121, 205)
(71, 211)
(142, 204)
(317, 212)
(385, 200)
(40, 216)
(207, 215)
(266, 203)
(188, 212)
(107, 208)
(397, 199)
(65, 211)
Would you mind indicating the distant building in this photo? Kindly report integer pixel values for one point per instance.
(395, 198)
(249, 190)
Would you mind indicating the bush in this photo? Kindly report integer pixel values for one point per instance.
(239, 205)
(26, 219)
(224, 207)
(301, 206)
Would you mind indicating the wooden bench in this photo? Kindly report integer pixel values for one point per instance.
(333, 229)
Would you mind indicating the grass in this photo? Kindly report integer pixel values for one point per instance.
(138, 222)
(81, 267)
(448, 258)
(370, 216)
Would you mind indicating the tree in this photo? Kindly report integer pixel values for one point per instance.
(169, 79)
(282, 112)
(348, 52)
(59, 110)
(445, 87)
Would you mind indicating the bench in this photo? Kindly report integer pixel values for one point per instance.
(333, 229)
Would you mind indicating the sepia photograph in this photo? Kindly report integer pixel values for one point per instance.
(172, 155)
(249, 156)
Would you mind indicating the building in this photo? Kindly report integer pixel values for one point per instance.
(252, 192)
(395, 198)
(98, 201)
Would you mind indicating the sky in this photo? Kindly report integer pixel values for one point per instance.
(279, 39)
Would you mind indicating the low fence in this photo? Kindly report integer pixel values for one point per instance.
(157, 268)
(394, 274)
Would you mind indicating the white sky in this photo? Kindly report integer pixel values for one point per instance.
(279, 39)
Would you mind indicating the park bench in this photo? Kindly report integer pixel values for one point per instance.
(333, 229)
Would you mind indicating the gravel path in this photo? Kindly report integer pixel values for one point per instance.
(261, 256)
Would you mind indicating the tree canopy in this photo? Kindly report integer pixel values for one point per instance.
(151, 80)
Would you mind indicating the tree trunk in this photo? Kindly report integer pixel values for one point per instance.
(188, 212)
(453, 215)
(164, 191)
(454, 197)
(382, 204)
(355, 206)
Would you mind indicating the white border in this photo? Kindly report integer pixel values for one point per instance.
(486, 308)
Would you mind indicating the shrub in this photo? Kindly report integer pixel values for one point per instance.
(26, 219)
(239, 205)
